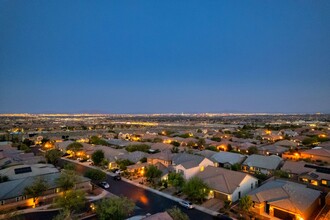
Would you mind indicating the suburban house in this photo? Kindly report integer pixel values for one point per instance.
(272, 150)
(111, 154)
(164, 157)
(263, 164)
(285, 200)
(227, 159)
(286, 143)
(20, 177)
(189, 164)
(24, 171)
(296, 168)
(317, 154)
(227, 184)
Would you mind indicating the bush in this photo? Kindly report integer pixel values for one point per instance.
(143, 160)
(124, 163)
(98, 141)
(96, 175)
(138, 147)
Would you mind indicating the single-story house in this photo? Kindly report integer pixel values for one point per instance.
(227, 184)
(189, 164)
(318, 154)
(164, 157)
(12, 192)
(263, 164)
(285, 200)
(227, 159)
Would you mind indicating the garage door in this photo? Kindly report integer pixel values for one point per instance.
(283, 215)
(221, 196)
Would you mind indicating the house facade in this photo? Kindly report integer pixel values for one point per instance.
(285, 200)
(227, 185)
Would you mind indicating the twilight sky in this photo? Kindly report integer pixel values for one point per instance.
(164, 56)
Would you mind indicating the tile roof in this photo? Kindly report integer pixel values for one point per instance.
(228, 157)
(187, 160)
(266, 162)
(222, 180)
(286, 195)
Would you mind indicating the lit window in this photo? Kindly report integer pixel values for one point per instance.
(202, 168)
(324, 182)
(314, 182)
(304, 179)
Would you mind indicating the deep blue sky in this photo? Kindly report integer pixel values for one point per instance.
(164, 56)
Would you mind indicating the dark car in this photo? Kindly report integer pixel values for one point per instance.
(117, 177)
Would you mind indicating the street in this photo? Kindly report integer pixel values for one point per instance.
(147, 201)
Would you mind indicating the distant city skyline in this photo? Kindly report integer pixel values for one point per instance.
(164, 57)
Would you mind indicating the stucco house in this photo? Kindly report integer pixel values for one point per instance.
(263, 164)
(285, 200)
(189, 164)
(227, 184)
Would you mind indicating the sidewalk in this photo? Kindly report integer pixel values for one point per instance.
(198, 207)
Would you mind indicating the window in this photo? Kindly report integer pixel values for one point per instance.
(251, 185)
(314, 182)
(202, 168)
(304, 180)
(3, 202)
(324, 182)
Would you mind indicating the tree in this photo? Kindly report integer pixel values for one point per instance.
(229, 147)
(69, 166)
(152, 173)
(235, 167)
(175, 149)
(72, 201)
(67, 180)
(201, 143)
(143, 160)
(138, 147)
(96, 175)
(245, 203)
(28, 142)
(176, 180)
(53, 155)
(212, 148)
(281, 174)
(177, 214)
(124, 163)
(75, 147)
(114, 208)
(22, 147)
(98, 141)
(3, 179)
(195, 189)
(38, 187)
(253, 150)
(218, 139)
(97, 157)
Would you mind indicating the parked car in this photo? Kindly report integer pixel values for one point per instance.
(117, 171)
(104, 185)
(186, 204)
(117, 177)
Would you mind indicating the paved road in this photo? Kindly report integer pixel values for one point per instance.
(147, 201)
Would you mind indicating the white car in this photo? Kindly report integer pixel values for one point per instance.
(104, 185)
(186, 204)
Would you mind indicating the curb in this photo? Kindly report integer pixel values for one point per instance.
(200, 208)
